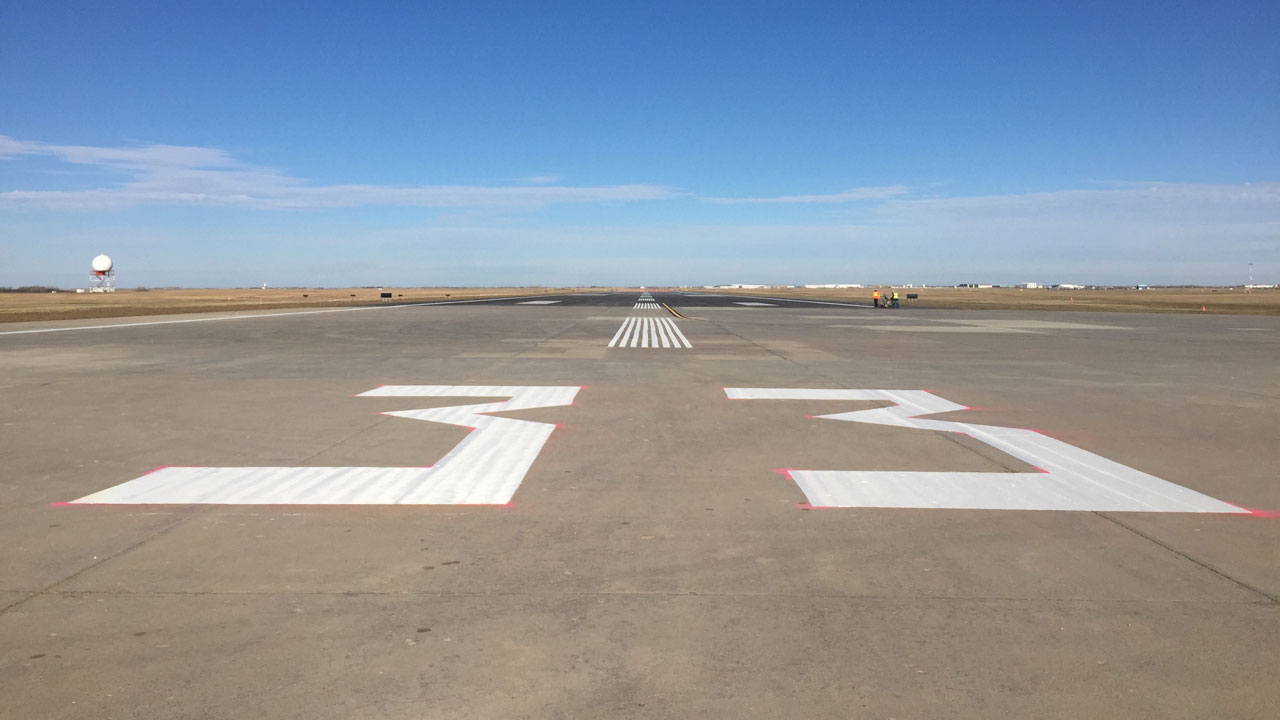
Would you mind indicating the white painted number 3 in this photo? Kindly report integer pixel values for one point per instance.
(484, 469)
(1070, 478)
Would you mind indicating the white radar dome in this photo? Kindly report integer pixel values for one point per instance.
(102, 263)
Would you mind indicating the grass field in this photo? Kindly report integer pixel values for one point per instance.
(20, 307)
(1213, 300)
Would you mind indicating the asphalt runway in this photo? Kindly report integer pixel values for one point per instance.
(507, 509)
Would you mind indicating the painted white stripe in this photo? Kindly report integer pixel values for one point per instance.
(484, 469)
(1072, 478)
(755, 304)
(618, 334)
(633, 332)
(538, 302)
(649, 332)
(675, 329)
(255, 316)
(661, 331)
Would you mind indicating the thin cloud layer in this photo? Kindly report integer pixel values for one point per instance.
(186, 175)
(1150, 204)
(851, 195)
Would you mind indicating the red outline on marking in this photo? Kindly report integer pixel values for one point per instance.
(1256, 512)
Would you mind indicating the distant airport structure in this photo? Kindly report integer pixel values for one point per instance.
(102, 275)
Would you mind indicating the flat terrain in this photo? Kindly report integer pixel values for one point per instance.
(24, 307)
(1262, 301)
(660, 554)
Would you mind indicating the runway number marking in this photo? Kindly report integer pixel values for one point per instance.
(484, 469)
(1071, 478)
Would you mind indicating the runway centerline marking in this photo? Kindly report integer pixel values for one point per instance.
(755, 304)
(538, 302)
(485, 468)
(1070, 478)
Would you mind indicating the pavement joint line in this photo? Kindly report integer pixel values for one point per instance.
(52, 587)
(379, 419)
(267, 315)
(1272, 599)
(643, 594)
(824, 376)
(572, 324)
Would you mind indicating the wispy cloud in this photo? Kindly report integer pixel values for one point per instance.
(186, 175)
(1148, 204)
(851, 195)
(539, 179)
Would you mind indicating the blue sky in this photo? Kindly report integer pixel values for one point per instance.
(645, 143)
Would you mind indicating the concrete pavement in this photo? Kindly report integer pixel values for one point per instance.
(652, 562)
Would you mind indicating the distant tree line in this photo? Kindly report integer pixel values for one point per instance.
(30, 289)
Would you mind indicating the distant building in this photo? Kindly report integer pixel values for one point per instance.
(1030, 286)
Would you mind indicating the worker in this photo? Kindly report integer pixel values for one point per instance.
(895, 298)
(875, 298)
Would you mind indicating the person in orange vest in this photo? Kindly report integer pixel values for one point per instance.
(875, 298)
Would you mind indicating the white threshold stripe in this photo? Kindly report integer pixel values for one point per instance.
(675, 329)
(618, 334)
(260, 315)
(649, 332)
(660, 335)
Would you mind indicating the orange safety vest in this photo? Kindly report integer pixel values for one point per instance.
(876, 295)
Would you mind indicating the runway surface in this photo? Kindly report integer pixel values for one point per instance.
(630, 504)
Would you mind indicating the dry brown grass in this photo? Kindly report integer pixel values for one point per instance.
(19, 307)
(1213, 300)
